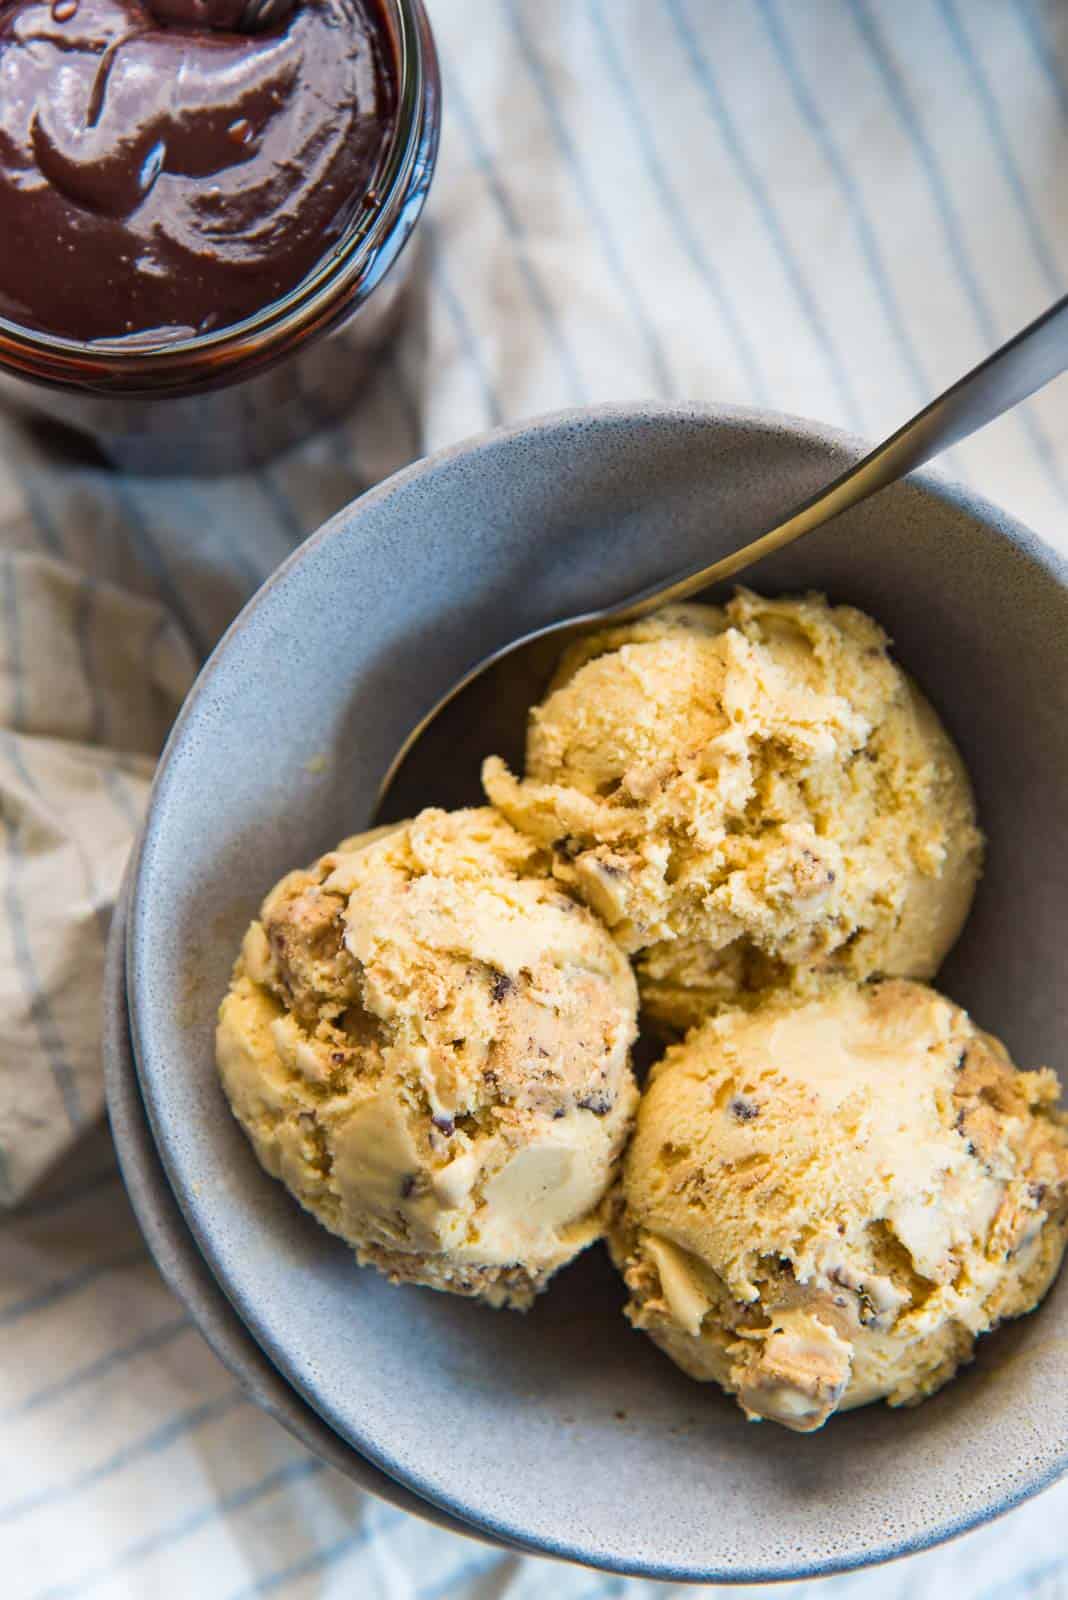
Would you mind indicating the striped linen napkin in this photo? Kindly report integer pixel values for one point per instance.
(832, 208)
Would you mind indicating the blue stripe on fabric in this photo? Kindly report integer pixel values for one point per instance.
(337, 434)
(1040, 247)
(412, 413)
(39, 514)
(513, 227)
(98, 734)
(83, 613)
(40, 1010)
(160, 1439)
(288, 518)
(126, 762)
(306, 402)
(153, 644)
(83, 621)
(736, 150)
(466, 337)
(344, 450)
(154, 1339)
(386, 365)
(244, 567)
(473, 1567)
(125, 805)
(333, 433)
(166, 1538)
(153, 641)
(63, 1288)
(851, 192)
(588, 195)
(152, 558)
(128, 809)
(898, 96)
(14, 640)
(1045, 55)
(1023, 1583)
(9, 746)
(64, 1197)
(319, 1560)
(748, 360)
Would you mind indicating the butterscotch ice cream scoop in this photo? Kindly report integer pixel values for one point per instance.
(825, 1203)
(427, 1039)
(749, 796)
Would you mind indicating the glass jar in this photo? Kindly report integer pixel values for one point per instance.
(235, 396)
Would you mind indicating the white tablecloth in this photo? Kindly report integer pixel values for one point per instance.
(832, 207)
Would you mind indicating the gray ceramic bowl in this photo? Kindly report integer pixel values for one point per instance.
(184, 1269)
(565, 1429)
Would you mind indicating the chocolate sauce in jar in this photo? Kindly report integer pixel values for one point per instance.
(163, 176)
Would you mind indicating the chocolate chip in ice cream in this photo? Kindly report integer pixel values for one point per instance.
(503, 986)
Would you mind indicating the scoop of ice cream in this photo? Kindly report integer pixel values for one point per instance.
(824, 1203)
(428, 1041)
(748, 795)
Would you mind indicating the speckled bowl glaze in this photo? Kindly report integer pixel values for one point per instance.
(187, 1275)
(565, 1429)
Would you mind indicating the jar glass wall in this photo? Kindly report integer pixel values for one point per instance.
(237, 395)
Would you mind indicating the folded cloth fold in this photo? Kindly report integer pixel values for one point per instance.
(90, 680)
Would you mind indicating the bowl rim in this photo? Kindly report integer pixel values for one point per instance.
(840, 444)
(187, 1275)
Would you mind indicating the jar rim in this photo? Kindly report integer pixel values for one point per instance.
(357, 262)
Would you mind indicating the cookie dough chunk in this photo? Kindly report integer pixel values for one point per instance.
(825, 1203)
(749, 796)
(427, 1040)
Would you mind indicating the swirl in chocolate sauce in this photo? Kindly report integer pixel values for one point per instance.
(161, 174)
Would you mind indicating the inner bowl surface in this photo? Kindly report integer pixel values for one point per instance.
(564, 1429)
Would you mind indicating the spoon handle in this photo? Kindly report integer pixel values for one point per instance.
(1029, 361)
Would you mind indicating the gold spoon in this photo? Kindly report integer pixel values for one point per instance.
(485, 711)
